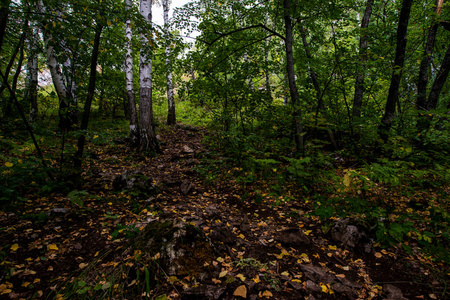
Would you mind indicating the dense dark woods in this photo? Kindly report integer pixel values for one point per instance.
(278, 149)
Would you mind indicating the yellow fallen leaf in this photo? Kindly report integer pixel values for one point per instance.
(223, 274)
(52, 247)
(216, 281)
(285, 273)
(241, 277)
(267, 294)
(256, 279)
(241, 236)
(15, 247)
(8, 164)
(26, 283)
(241, 291)
(331, 247)
(219, 259)
(378, 255)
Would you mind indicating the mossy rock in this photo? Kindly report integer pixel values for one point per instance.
(183, 249)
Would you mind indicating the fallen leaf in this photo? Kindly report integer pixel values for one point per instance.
(332, 247)
(241, 277)
(241, 291)
(216, 281)
(219, 259)
(8, 164)
(15, 247)
(83, 265)
(285, 273)
(223, 274)
(52, 247)
(267, 294)
(378, 255)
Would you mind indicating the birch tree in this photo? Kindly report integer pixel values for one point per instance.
(134, 131)
(147, 135)
(171, 117)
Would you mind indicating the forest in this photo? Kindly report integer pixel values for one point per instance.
(234, 149)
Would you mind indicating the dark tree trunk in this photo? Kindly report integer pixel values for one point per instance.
(312, 74)
(295, 99)
(4, 13)
(392, 99)
(90, 96)
(359, 83)
(422, 82)
(439, 82)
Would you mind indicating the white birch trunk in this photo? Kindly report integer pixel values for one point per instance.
(134, 134)
(171, 119)
(147, 132)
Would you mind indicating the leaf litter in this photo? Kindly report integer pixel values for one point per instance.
(65, 247)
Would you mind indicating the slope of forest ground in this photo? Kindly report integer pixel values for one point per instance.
(107, 237)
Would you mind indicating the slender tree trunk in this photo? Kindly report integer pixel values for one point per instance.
(250, 80)
(422, 83)
(439, 82)
(392, 99)
(66, 118)
(134, 128)
(4, 13)
(266, 59)
(147, 136)
(32, 75)
(90, 96)
(359, 83)
(295, 99)
(171, 118)
(311, 72)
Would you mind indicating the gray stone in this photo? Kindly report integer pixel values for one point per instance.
(313, 287)
(393, 292)
(294, 237)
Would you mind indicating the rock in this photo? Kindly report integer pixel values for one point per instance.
(313, 287)
(293, 236)
(182, 249)
(135, 182)
(313, 272)
(187, 149)
(350, 236)
(60, 210)
(186, 187)
(393, 292)
(296, 285)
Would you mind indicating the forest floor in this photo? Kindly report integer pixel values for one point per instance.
(84, 245)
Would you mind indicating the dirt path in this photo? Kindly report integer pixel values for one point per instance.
(71, 246)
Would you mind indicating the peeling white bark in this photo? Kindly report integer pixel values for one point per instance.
(170, 98)
(134, 134)
(147, 133)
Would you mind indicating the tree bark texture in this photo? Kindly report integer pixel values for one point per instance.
(311, 72)
(134, 128)
(67, 118)
(171, 117)
(90, 96)
(32, 74)
(4, 14)
(147, 135)
(295, 99)
(439, 82)
(426, 61)
(400, 50)
(359, 83)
